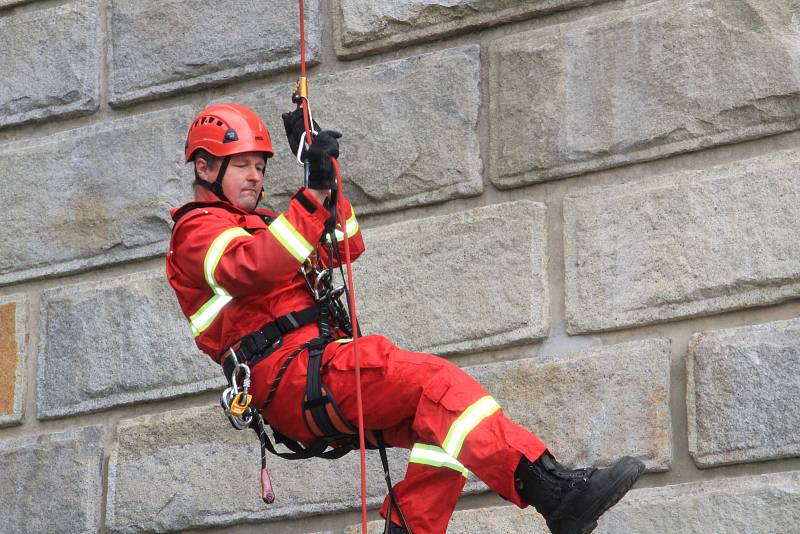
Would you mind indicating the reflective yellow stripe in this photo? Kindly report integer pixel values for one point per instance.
(469, 419)
(215, 252)
(436, 457)
(206, 315)
(290, 238)
(351, 226)
(343, 340)
(203, 318)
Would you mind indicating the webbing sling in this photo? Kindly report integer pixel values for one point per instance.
(342, 436)
(322, 415)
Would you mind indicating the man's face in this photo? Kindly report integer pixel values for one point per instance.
(243, 179)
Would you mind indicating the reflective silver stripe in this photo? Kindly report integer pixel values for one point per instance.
(469, 419)
(351, 226)
(290, 238)
(203, 318)
(436, 457)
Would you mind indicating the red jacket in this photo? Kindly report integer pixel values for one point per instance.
(233, 273)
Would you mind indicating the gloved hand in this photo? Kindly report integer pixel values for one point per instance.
(293, 124)
(324, 147)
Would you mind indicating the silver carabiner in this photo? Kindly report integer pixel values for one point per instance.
(225, 400)
(302, 145)
(240, 423)
(322, 276)
(246, 380)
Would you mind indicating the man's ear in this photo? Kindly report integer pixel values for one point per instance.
(203, 170)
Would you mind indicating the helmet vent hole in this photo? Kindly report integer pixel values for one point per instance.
(219, 123)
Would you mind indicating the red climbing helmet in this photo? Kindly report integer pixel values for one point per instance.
(227, 129)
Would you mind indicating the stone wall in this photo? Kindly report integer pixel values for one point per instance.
(590, 205)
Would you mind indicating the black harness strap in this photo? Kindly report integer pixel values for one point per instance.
(194, 206)
(321, 414)
(258, 345)
(317, 398)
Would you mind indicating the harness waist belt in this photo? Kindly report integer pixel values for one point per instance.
(258, 345)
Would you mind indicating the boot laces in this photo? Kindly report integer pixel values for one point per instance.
(577, 477)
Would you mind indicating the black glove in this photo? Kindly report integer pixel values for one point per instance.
(293, 124)
(321, 174)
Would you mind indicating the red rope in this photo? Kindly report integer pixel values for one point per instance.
(302, 39)
(351, 290)
(354, 322)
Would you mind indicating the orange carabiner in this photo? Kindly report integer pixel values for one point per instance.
(238, 407)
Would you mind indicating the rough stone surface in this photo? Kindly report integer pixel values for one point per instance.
(116, 342)
(364, 27)
(193, 456)
(52, 483)
(410, 131)
(685, 244)
(743, 392)
(635, 85)
(13, 353)
(50, 61)
(471, 280)
(593, 405)
(495, 519)
(168, 46)
(108, 191)
(756, 505)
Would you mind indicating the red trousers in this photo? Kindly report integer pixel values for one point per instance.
(420, 402)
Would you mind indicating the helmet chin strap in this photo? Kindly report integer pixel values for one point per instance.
(262, 194)
(215, 187)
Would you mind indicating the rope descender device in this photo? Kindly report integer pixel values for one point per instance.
(236, 402)
(300, 90)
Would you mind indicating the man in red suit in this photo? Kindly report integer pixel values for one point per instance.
(244, 278)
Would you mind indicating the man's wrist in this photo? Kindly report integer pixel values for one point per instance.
(319, 194)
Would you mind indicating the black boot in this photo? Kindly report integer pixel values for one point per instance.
(572, 500)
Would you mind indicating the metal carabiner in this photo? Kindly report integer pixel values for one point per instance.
(231, 406)
(245, 381)
(322, 277)
(302, 146)
(240, 423)
(225, 400)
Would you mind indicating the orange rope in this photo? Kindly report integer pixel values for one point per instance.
(354, 323)
(351, 290)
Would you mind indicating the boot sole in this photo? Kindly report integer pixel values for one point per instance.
(588, 521)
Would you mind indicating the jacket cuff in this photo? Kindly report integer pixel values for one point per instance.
(311, 206)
